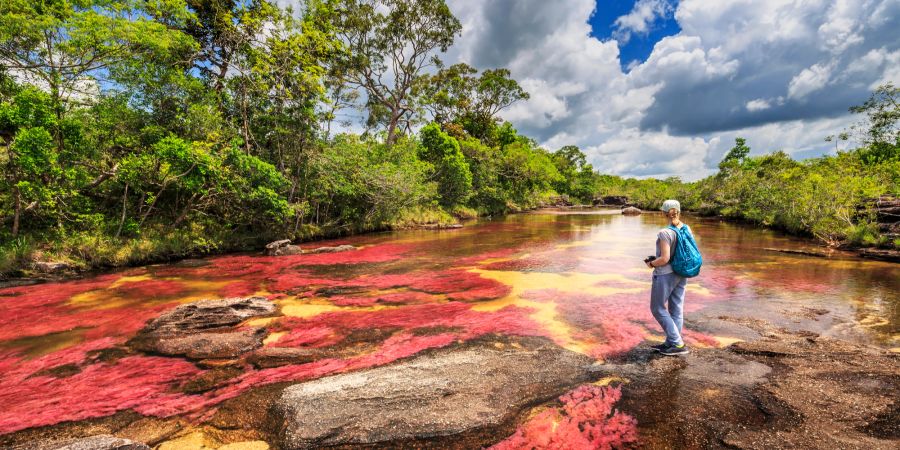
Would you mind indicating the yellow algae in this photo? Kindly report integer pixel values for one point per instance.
(247, 445)
(193, 441)
(695, 288)
(310, 307)
(273, 337)
(545, 312)
(725, 341)
(110, 298)
(606, 381)
(260, 322)
(36, 346)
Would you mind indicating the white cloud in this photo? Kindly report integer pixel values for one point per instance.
(809, 80)
(758, 105)
(759, 69)
(641, 18)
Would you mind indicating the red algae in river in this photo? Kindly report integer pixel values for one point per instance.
(586, 421)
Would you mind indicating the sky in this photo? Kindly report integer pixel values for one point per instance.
(658, 88)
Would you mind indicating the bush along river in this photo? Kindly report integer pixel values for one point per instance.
(529, 331)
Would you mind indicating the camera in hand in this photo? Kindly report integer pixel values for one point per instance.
(649, 258)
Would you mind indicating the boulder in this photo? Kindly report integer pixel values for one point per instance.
(50, 267)
(453, 393)
(205, 329)
(610, 200)
(339, 248)
(207, 345)
(282, 247)
(268, 357)
(97, 442)
(631, 211)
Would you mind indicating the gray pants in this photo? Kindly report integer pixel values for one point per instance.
(668, 290)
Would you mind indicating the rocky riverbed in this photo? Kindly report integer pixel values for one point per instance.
(780, 389)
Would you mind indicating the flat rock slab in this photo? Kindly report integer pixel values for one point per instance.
(472, 387)
(205, 329)
(98, 442)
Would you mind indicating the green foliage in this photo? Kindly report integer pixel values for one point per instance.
(450, 167)
(882, 138)
(455, 95)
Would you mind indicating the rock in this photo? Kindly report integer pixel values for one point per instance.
(440, 226)
(610, 200)
(451, 393)
(268, 357)
(282, 247)
(205, 329)
(631, 211)
(815, 253)
(339, 248)
(209, 345)
(97, 442)
(881, 253)
(50, 266)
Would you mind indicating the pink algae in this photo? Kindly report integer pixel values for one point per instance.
(143, 383)
(585, 421)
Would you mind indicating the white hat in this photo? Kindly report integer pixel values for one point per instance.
(669, 204)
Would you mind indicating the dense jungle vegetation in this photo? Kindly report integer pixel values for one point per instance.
(137, 130)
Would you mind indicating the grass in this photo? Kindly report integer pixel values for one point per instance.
(418, 216)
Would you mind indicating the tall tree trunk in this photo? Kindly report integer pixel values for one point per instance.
(124, 203)
(18, 197)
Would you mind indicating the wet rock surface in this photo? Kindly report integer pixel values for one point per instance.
(785, 390)
(631, 211)
(282, 247)
(268, 357)
(98, 442)
(334, 249)
(454, 392)
(205, 329)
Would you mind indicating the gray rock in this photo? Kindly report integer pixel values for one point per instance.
(631, 211)
(205, 329)
(339, 248)
(97, 442)
(267, 357)
(282, 247)
(451, 393)
(50, 266)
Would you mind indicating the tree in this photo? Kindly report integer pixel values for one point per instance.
(69, 47)
(882, 115)
(456, 95)
(450, 167)
(735, 156)
(391, 43)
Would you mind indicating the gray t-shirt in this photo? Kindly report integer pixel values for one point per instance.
(667, 234)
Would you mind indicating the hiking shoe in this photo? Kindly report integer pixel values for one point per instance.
(675, 350)
(659, 347)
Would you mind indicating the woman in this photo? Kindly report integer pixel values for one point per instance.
(668, 287)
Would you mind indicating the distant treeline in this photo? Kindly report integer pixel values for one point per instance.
(134, 130)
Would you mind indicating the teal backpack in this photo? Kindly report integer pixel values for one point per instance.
(686, 259)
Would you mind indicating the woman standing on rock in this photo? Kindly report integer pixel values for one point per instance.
(667, 292)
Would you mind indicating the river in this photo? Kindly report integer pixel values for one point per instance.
(573, 277)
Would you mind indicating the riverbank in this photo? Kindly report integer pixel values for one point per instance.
(782, 387)
(83, 255)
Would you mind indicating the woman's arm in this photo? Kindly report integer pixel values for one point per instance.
(663, 254)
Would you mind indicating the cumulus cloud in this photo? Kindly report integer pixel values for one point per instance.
(641, 18)
(781, 73)
(809, 80)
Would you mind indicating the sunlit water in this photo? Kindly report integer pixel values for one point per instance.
(575, 278)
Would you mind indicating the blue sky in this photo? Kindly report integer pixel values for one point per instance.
(657, 88)
(638, 47)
